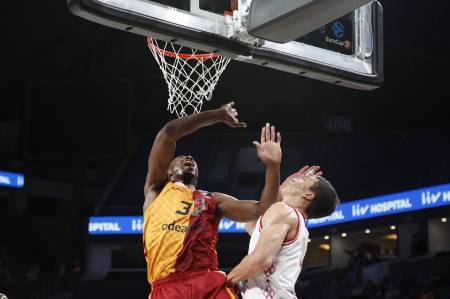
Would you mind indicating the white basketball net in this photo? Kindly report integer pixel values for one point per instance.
(190, 77)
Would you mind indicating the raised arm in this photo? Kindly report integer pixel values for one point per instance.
(163, 147)
(269, 151)
(277, 223)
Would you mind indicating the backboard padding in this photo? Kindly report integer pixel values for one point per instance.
(226, 35)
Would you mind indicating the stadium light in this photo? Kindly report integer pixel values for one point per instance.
(344, 235)
(325, 246)
(367, 231)
(393, 227)
(444, 219)
(326, 237)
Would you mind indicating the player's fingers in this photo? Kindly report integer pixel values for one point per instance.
(263, 134)
(240, 125)
(256, 143)
(319, 173)
(272, 133)
(267, 132)
(310, 170)
(313, 170)
(278, 137)
(303, 169)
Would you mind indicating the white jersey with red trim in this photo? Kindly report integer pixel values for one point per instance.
(278, 281)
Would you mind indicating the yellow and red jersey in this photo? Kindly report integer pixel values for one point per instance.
(180, 232)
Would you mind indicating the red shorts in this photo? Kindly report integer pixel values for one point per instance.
(192, 285)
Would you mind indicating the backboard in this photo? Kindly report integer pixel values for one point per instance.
(345, 49)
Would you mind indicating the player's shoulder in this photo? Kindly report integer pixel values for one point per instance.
(281, 212)
(152, 192)
(280, 207)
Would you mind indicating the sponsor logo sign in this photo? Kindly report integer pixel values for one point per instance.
(408, 201)
(126, 225)
(338, 29)
(11, 179)
(379, 206)
(339, 36)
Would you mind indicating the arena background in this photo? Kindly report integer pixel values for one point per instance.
(81, 104)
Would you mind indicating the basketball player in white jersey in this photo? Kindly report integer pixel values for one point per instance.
(279, 238)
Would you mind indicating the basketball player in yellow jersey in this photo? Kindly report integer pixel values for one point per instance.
(181, 222)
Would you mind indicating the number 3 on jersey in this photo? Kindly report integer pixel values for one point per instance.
(185, 210)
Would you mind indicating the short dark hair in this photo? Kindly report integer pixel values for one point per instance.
(325, 199)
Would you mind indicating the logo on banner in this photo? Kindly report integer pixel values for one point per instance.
(337, 215)
(137, 225)
(104, 227)
(5, 180)
(413, 200)
(359, 210)
(226, 224)
(10, 179)
(338, 29)
(20, 181)
(392, 205)
(381, 207)
(429, 198)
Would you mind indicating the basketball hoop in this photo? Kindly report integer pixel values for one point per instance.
(190, 76)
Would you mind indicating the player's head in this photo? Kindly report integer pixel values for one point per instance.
(183, 169)
(314, 195)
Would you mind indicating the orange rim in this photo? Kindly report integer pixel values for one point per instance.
(180, 55)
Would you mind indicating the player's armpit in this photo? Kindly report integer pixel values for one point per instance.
(250, 227)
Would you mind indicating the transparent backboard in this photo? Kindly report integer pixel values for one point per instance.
(347, 51)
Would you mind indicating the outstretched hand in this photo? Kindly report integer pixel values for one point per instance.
(269, 150)
(230, 116)
(305, 171)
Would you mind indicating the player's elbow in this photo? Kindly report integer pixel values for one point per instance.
(169, 131)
